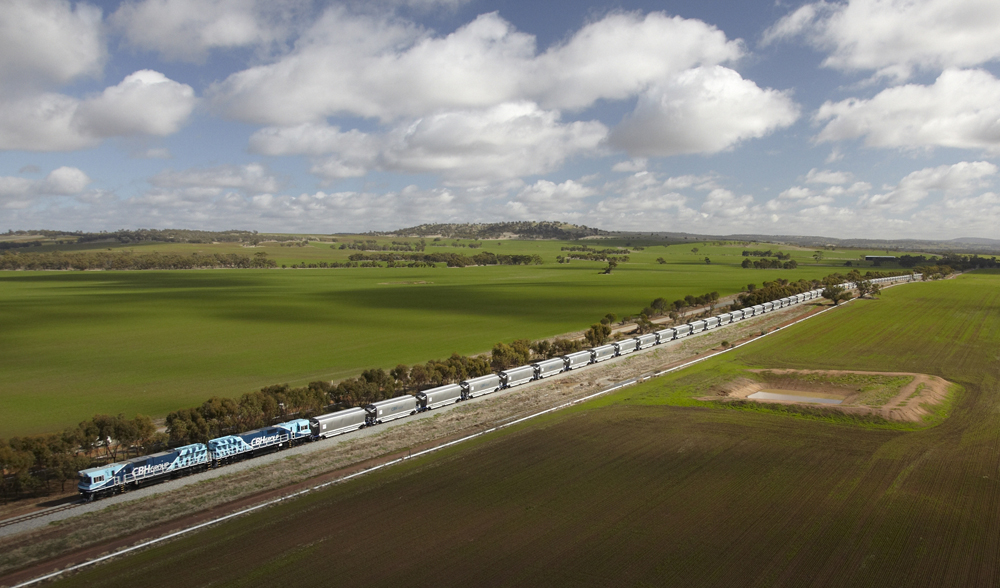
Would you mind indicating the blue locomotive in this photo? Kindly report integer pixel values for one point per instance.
(115, 478)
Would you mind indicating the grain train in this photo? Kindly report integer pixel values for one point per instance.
(114, 478)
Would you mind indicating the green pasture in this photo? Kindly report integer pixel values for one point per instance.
(649, 487)
(76, 344)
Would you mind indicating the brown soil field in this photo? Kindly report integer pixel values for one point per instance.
(910, 404)
(617, 496)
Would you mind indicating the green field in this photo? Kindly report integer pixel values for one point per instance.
(650, 488)
(80, 343)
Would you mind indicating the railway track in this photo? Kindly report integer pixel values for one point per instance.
(39, 514)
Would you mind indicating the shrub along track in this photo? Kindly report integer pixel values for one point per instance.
(41, 551)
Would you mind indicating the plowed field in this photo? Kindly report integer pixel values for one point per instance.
(650, 487)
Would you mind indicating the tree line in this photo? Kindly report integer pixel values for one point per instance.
(38, 465)
(451, 259)
(768, 264)
(768, 253)
(595, 256)
(127, 260)
(954, 261)
(588, 249)
(373, 245)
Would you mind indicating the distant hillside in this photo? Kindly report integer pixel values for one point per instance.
(35, 238)
(522, 230)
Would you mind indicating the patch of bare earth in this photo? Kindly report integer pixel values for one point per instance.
(908, 405)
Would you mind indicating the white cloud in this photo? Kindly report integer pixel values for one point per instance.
(505, 141)
(960, 179)
(420, 4)
(623, 54)
(799, 196)
(894, 37)
(252, 178)
(18, 192)
(545, 199)
(42, 123)
(704, 183)
(318, 211)
(703, 110)
(961, 109)
(387, 68)
(722, 203)
(643, 200)
(966, 216)
(817, 176)
(48, 42)
(145, 102)
(631, 166)
(509, 140)
(187, 30)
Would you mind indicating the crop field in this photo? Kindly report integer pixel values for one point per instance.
(77, 344)
(650, 487)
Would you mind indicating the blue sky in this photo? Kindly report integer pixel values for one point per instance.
(864, 118)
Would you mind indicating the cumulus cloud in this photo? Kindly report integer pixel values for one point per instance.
(703, 110)
(145, 102)
(895, 37)
(506, 141)
(643, 200)
(388, 68)
(545, 199)
(968, 216)
(703, 183)
(631, 166)
(958, 180)
(817, 176)
(722, 203)
(961, 109)
(187, 30)
(252, 178)
(623, 54)
(509, 140)
(18, 192)
(316, 211)
(48, 42)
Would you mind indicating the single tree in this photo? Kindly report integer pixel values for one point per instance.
(597, 334)
(867, 288)
(837, 294)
